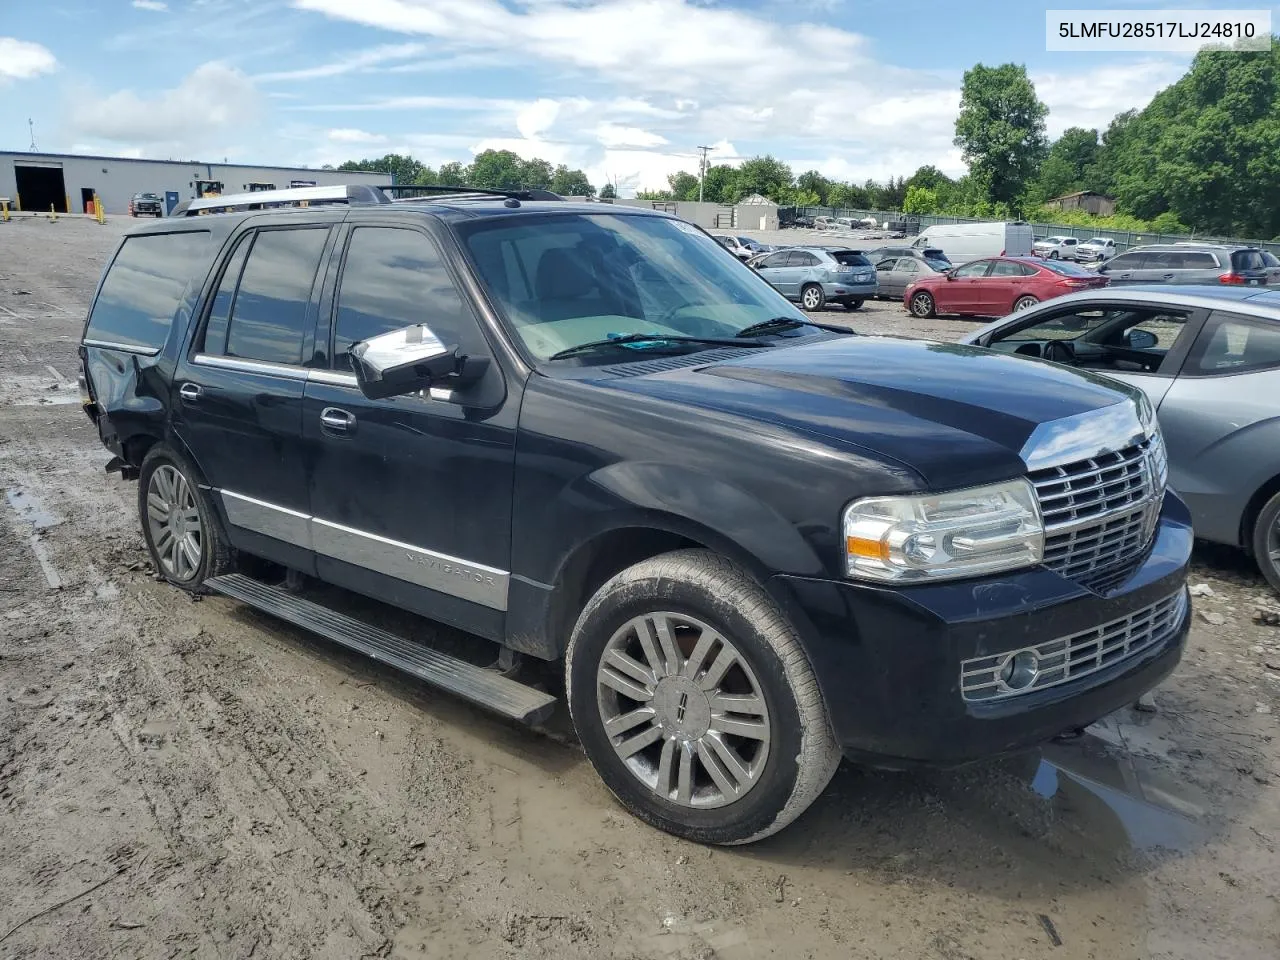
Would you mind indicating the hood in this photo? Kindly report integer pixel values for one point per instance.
(957, 415)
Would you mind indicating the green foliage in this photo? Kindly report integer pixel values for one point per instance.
(1069, 167)
(571, 183)
(1165, 223)
(452, 174)
(766, 176)
(684, 185)
(805, 198)
(812, 184)
(920, 200)
(720, 184)
(491, 169)
(402, 168)
(929, 177)
(1001, 129)
(608, 192)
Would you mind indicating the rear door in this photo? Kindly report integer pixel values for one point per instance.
(1006, 282)
(410, 495)
(1125, 268)
(889, 281)
(238, 402)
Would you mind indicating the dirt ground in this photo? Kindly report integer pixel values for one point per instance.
(192, 779)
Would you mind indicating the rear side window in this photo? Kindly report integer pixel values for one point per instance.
(1066, 269)
(215, 331)
(393, 279)
(1235, 346)
(145, 286)
(801, 258)
(850, 259)
(269, 318)
(1127, 261)
(1197, 261)
(1247, 260)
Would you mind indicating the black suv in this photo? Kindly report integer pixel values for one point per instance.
(588, 434)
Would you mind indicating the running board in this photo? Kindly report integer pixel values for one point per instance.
(479, 685)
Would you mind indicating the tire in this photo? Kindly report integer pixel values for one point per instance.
(1053, 254)
(165, 479)
(707, 604)
(922, 305)
(1022, 303)
(853, 304)
(812, 298)
(1266, 541)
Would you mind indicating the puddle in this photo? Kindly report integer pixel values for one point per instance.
(1121, 798)
(31, 509)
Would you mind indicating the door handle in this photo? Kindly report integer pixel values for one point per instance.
(1166, 276)
(190, 392)
(339, 421)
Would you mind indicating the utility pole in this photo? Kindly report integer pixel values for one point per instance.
(32, 127)
(702, 169)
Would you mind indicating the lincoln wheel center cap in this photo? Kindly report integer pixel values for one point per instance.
(682, 708)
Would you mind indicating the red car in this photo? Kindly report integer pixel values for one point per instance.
(996, 286)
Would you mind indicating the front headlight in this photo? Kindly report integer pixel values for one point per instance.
(943, 536)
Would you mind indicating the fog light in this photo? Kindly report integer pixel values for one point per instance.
(1020, 670)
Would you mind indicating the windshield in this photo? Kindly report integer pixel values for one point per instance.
(850, 258)
(570, 279)
(1097, 241)
(940, 265)
(1066, 269)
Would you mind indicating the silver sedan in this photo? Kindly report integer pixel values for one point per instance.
(1208, 358)
(895, 273)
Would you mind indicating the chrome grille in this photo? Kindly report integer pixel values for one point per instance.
(1076, 655)
(1099, 513)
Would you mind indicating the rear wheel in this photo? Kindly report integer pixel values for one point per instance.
(182, 530)
(1023, 302)
(922, 304)
(1266, 541)
(695, 702)
(812, 298)
(853, 304)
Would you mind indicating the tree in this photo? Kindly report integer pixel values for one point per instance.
(1001, 129)
(401, 167)
(608, 192)
(1070, 166)
(920, 200)
(929, 177)
(812, 183)
(571, 183)
(496, 170)
(536, 174)
(684, 185)
(720, 184)
(766, 176)
(848, 196)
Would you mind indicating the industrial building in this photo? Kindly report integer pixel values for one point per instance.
(68, 183)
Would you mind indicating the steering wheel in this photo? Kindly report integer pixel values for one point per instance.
(1060, 351)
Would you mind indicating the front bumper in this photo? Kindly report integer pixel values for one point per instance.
(888, 661)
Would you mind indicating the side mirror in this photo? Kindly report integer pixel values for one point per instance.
(402, 361)
(950, 274)
(1141, 339)
(1104, 268)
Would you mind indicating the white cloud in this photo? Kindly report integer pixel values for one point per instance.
(157, 5)
(350, 135)
(360, 60)
(212, 101)
(1090, 99)
(537, 117)
(22, 60)
(616, 135)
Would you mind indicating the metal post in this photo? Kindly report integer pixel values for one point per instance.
(702, 170)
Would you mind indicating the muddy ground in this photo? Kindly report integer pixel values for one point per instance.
(192, 779)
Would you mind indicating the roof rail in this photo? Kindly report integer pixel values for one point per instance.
(441, 189)
(295, 196)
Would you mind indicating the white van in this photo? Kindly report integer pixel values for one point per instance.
(962, 242)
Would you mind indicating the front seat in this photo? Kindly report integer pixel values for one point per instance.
(566, 286)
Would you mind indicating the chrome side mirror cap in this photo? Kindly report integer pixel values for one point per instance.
(402, 361)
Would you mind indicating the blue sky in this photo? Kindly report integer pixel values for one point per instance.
(625, 89)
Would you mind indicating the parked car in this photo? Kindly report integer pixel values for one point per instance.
(1208, 358)
(920, 253)
(973, 241)
(895, 274)
(740, 247)
(1057, 248)
(825, 223)
(1182, 263)
(1095, 248)
(816, 276)
(146, 204)
(1272, 264)
(996, 286)
(579, 433)
(801, 222)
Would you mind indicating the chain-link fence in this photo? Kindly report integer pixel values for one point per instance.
(1123, 238)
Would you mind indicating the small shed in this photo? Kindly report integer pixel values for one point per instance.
(1097, 204)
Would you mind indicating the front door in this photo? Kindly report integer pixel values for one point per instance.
(411, 495)
(777, 269)
(238, 402)
(963, 292)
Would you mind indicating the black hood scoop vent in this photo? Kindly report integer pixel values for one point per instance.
(639, 368)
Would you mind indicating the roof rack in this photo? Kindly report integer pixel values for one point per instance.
(440, 189)
(295, 196)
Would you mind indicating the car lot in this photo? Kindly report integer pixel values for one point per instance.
(241, 789)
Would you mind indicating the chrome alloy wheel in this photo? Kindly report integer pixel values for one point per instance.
(683, 710)
(1273, 544)
(174, 522)
(812, 297)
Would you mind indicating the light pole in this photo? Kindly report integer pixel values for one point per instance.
(702, 169)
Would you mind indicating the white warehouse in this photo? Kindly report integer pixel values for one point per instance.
(67, 182)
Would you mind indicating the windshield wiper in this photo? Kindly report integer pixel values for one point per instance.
(783, 324)
(657, 339)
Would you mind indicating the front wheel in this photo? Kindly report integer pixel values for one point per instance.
(1266, 541)
(1053, 254)
(1022, 303)
(853, 304)
(922, 304)
(812, 298)
(695, 702)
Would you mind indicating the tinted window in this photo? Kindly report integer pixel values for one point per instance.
(933, 253)
(908, 265)
(777, 259)
(393, 279)
(1126, 261)
(215, 331)
(145, 286)
(851, 259)
(1066, 269)
(1007, 268)
(801, 258)
(1235, 346)
(1247, 260)
(1061, 326)
(269, 318)
(1198, 261)
(885, 266)
(976, 269)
